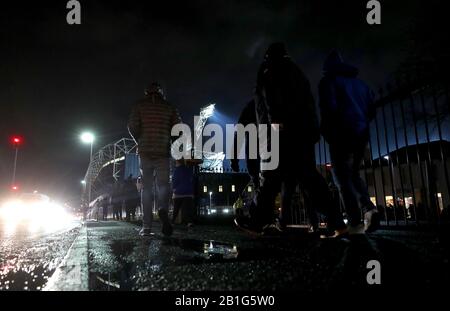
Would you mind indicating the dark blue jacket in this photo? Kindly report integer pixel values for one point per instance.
(183, 181)
(346, 102)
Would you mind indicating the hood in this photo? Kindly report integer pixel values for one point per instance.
(334, 65)
(275, 51)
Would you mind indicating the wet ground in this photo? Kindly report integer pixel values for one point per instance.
(222, 258)
(28, 258)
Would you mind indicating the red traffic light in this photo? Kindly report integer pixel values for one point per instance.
(16, 140)
(14, 188)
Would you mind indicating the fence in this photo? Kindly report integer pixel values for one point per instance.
(407, 157)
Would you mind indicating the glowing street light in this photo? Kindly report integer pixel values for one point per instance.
(88, 138)
(207, 111)
(210, 200)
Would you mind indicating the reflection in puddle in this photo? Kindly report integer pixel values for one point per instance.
(207, 250)
(215, 250)
(159, 254)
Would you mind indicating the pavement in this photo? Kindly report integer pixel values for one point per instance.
(111, 256)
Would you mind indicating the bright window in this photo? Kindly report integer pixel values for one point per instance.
(389, 200)
(205, 189)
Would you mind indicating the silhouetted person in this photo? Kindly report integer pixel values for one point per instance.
(104, 205)
(150, 123)
(117, 200)
(411, 211)
(347, 106)
(183, 193)
(247, 116)
(283, 96)
(131, 198)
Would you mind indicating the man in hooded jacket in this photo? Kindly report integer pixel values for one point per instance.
(283, 97)
(347, 107)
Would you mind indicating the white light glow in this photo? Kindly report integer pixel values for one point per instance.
(87, 138)
(207, 111)
(37, 216)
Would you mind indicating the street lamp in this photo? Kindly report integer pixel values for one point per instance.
(16, 142)
(210, 200)
(88, 138)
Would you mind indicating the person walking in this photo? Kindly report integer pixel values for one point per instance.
(283, 98)
(131, 198)
(150, 124)
(347, 107)
(117, 200)
(104, 205)
(183, 193)
(247, 116)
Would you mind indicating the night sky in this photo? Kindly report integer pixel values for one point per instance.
(57, 79)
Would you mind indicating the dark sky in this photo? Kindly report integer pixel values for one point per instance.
(57, 79)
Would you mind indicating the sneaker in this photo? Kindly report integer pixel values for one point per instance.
(145, 232)
(371, 220)
(167, 228)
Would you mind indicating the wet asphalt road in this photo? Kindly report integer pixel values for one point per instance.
(223, 258)
(28, 258)
(210, 257)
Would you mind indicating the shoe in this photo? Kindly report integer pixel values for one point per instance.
(145, 232)
(335, 234)
(358, 229)
(167, 228)
(190, 225)
(246, 224)
(371, 220)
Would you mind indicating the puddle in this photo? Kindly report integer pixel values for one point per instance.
(207, 250)
(154, 256)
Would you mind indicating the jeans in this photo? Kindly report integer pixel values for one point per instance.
(346, 161)
(130, 208)
(186, 205)
(297, 166)
(155, 181)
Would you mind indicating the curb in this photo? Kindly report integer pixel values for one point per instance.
(73, 272)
